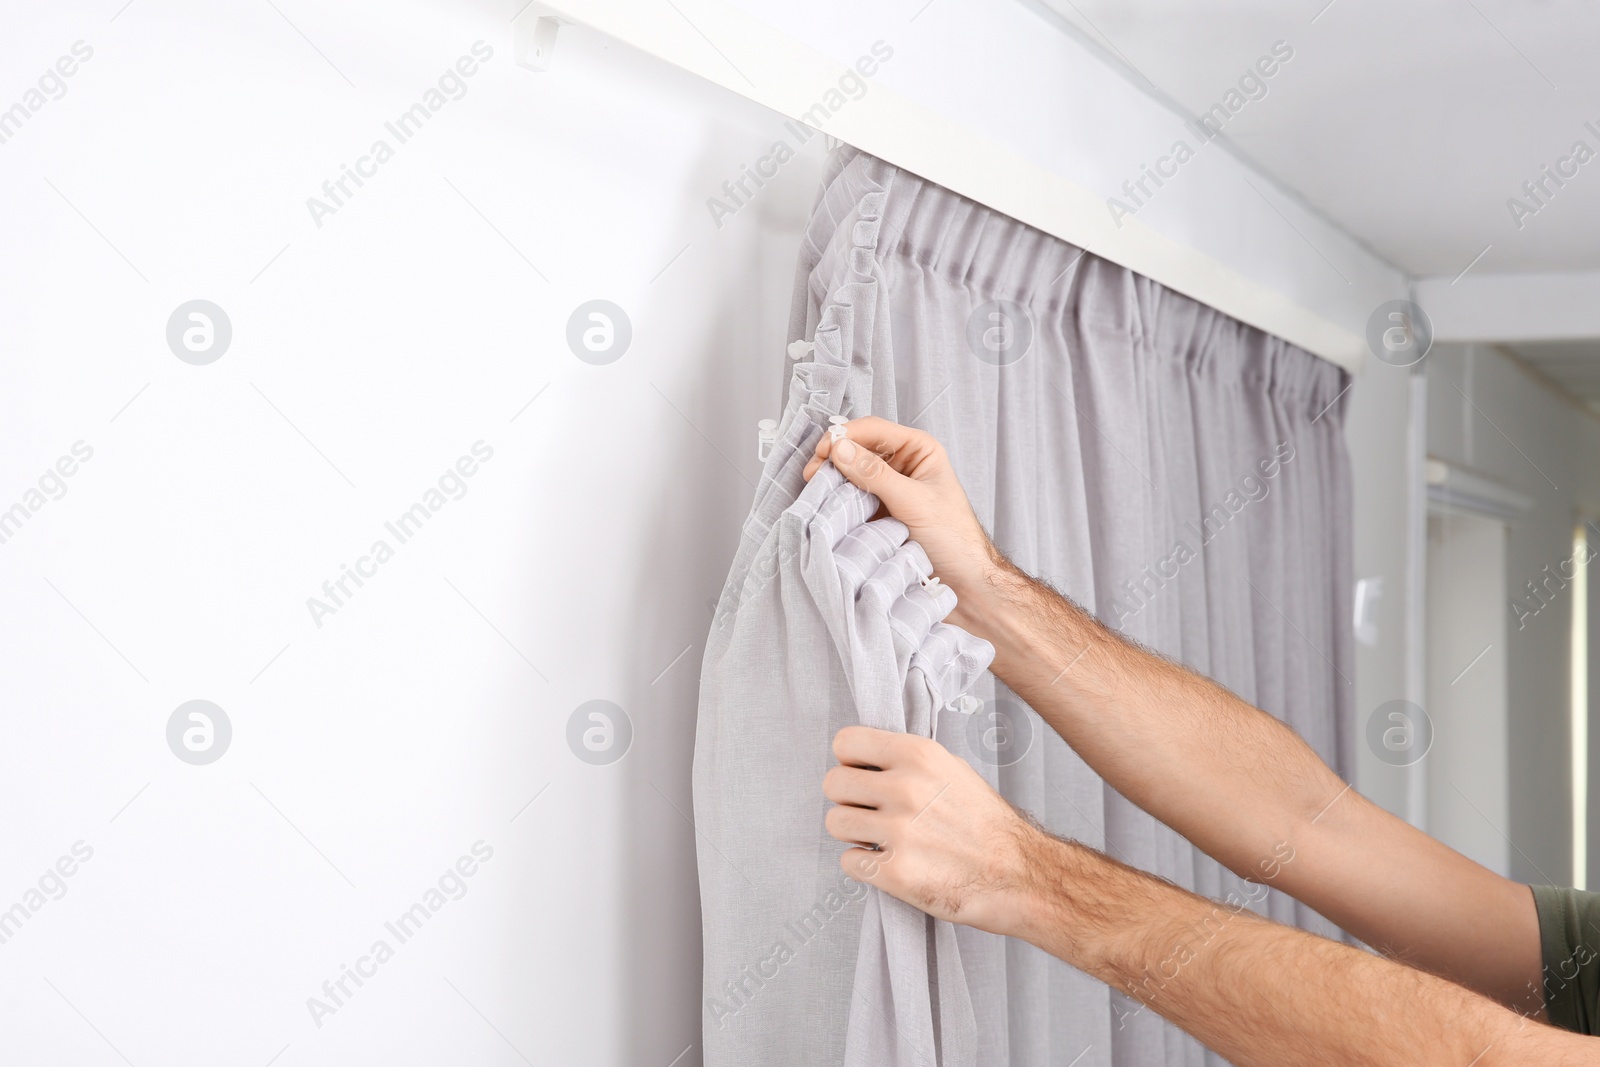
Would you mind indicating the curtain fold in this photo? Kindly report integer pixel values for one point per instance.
(1178, 473)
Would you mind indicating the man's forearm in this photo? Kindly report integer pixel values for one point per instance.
(1260, 993)
(1238, 783)
(1229, 778)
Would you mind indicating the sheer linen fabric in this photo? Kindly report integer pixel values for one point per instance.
(1180, 474)
(828, 618)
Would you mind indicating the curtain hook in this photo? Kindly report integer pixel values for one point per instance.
(966, 704)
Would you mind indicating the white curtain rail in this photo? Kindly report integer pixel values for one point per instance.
(919, 139)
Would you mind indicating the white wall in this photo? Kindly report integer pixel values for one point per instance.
(372, 752)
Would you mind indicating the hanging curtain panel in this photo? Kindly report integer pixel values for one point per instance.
(1180, 474)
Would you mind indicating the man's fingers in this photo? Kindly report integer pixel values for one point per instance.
(901, 447)
(856, 826)
(904, 445)
(863, 746)
(867, 470)
(853, 785)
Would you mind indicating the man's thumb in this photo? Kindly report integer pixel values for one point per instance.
(866, 469)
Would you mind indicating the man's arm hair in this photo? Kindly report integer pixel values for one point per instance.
(1262, 994)
(1236, 782)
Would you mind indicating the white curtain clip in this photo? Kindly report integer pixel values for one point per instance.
(930, 581)
(966, 704)
(766, 437)
(836, 427)
(800, 349)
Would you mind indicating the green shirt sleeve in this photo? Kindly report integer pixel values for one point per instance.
(1569, 936)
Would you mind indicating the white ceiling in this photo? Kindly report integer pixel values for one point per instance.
(1408, 123)
(1574, 366)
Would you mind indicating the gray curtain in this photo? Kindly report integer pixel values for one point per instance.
(1178, 473)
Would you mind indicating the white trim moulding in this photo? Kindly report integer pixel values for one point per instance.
(1458, 490)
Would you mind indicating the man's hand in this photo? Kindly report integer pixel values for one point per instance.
(909, 472)
(949, 844)
(1258, 993)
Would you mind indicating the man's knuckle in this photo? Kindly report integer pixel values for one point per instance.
(923, 752)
